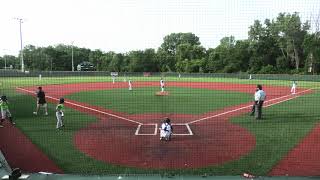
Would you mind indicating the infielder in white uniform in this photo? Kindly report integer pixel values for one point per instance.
(113, 78)
(162, 85)
(293, 88)
(130, 85)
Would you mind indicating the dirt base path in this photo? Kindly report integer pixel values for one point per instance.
(21, 153)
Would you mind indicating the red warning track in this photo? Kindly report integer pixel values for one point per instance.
(112, 139)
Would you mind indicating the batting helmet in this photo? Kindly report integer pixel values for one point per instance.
(4, 98)
(61, 100)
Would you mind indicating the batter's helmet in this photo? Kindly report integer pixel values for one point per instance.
(4, 98)
(61, 100)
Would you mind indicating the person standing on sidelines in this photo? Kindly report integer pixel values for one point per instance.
(260, 97)
(60, 113)
(162, 85)
(41, 101)
(130, 85)
(293, 88)
(5, 113)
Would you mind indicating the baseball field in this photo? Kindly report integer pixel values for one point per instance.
(112, 130)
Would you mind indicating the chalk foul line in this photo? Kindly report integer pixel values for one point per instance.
(195, 121)
(84, 107)
(249, 106)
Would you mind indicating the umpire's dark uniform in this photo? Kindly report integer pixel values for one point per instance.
(253, 109)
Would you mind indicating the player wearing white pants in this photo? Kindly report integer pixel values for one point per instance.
(293, 88)
(162, 85)
(60, 114)
(166, 130)
(130, 85)
(113, 79)
(5, 113)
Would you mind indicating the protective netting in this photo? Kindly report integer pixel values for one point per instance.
(113, 124)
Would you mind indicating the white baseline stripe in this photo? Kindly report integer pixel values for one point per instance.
(190, 133)
(227, 112)
(84, 107)
(281, 101)
(137, 130)
(139, 127)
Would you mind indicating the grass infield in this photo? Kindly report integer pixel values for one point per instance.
(180, 101)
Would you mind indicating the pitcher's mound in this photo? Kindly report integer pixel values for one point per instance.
(164, 93)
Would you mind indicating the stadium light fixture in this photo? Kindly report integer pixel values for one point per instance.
(72, 56)
(5, 59)
(21, 48)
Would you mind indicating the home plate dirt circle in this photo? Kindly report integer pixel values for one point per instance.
(115, 142)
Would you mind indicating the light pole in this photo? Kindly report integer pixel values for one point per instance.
(72, 56)
(5, 59)
(21, 48)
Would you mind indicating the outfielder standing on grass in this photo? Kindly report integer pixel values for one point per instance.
(41, 101)
(60, 113)
(5, 113)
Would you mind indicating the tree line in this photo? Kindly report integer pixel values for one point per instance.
(281, 45)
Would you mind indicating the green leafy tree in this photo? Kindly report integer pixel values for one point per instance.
(105, 61)
(95, 57)
(9, 61)
(291, 32)
(116, 63)
(311, 47)
(168, 49)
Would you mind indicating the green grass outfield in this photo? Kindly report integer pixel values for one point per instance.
(284, 126)
(180, 101)
(6, 82)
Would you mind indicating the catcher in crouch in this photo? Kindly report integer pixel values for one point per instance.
(166, 130)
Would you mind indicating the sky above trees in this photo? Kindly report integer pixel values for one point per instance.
(125, 25)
